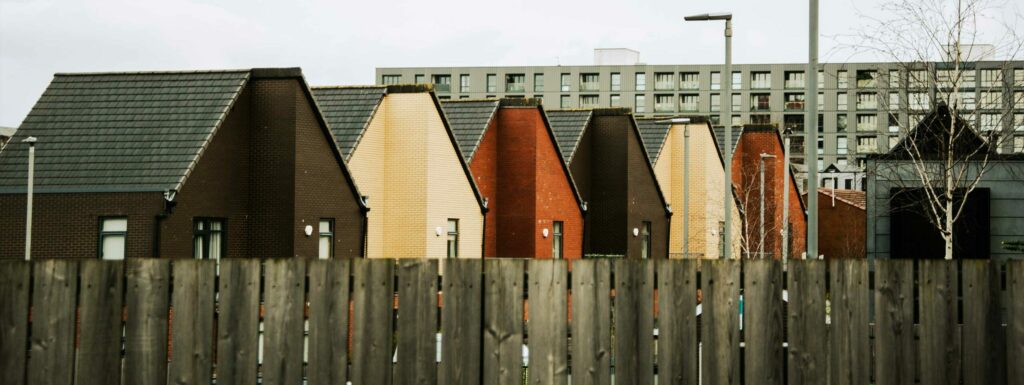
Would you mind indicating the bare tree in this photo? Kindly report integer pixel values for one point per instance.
(935, 46)
(749, 197)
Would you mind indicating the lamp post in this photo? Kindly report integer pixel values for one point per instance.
(760, 245)
(727, 122)
(785, 195)
(811, 156)
(686, 180)
(28, 195)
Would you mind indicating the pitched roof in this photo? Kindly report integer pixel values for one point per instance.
(348, 111)
(568, 126)
(469, 121)
(120, 132)
(931, 137)
(720, 137)
(653, 132)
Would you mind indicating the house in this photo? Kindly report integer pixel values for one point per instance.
(533, 208)
(666, 147)
(403, 154)
(899, 223)
(627, 215)
(210, 164)
(842, 176)
(757, 143)
(6, 133)
(842, 221)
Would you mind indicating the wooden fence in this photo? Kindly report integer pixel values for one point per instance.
(285, 321)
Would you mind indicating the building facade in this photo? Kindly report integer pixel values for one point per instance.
(854, 99)
(842, 220)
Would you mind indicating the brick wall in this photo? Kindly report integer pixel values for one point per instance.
(484, 167)
(844, 226)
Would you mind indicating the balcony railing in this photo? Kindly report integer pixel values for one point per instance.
(441, 87)
(866, 149)
(795, 105)
(589, 86)
(515, 87)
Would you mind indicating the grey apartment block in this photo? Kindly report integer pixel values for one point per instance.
(766, 93)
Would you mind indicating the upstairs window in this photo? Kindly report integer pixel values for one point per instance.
(515, 83)
(208, 237)
(590, 82)
(391, 79)
(538, 82)
(664, 81)
(759, 80)
(689, 80)
(453, 238)
(556, 240)
(867, 79)
(326, 242)
(443, 83)
(641, 81)
(113, 236)
(616, 81)
(492, 83)
(716, 80)
(463, 83)
(794, 79)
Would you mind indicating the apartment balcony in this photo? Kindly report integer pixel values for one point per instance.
(515, 87)
(690, 85)
(590, 86)
(867, 149)
(440, 87)
(760, 107)
(795, 84)
(867, 105)
(760, 84)
(689, 107)
(795, 105)
(664, 86)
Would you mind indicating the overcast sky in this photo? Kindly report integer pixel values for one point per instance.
(340, 42)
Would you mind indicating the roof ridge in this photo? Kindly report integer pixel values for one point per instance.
(346, 87)
(154, 72)
(489, 100)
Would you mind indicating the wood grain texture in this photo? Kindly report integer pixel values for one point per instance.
(100, 302)
(14, 302)
(849, 352)
(373, 298)
(634, 320)
(895, 348)
(328, 321)
(284, 290)
(462, 315)
(677, 321)
(192, 332)
(939, 346)
(1015, 321)
(720, 285)
(764, 359)
(984, 343)
(417, 322)
(807, 361)
(238, 321)
(147, 299)
(547, 327)
(53, 322)
(591, 324)
(503, 321)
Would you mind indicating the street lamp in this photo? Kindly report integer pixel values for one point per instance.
(811, 156)
(727, 119)
(686, 180)
(28, 196)
(760, 246)
(785, 194)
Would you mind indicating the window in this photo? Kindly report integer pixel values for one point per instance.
(453, 238)
(794, 79)
(918, 100)
(796, 146)
(821, 79)
(208, 235)
(867, 79)
(842, 80)
(419, 79)
(736, 102)
(566, 83)
(761, 119)
(794, 101)
(588, 101)
(821, 146)
(615, 101)
(664, 81)
(492, 83)
(641, 81)
(841, 145)
(760, 102)
(867, 101)
(716, 80)
(442, 83)
(538, 82)
(991, 78)
(893, 141)
(821, 123)
(590, 82)
(645, 246)
(689, 102)
(326, 238)
(640, 104)
(515, 83)
(664, 103)
(1018, 143)
(1018, 100)
(966, 102)
(113, 235)
(991, 122)
(556, 240)
(842, 104)
(821, 101)
(760, 80)
(963, 79)
(565, 102)
(991, 100)
(716, 102)
(689, 80)
(1018, 77)
(867, 122)
(841, 122)
(894, 101)
(391, 79)
(867, 144)
(894, 78)
(737, 80)
(917, 79)
(463, 83)
(444, 97)
(793, 122)
(1018, 122)
(616, 81)
(894, 123)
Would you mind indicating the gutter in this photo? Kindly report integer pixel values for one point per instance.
(169, 205)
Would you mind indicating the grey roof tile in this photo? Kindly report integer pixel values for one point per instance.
(568, 126)
(348, 111)
(720, 137)
(653, 134)
(469, 121)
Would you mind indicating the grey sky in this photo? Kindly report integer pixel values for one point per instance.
(342, 41)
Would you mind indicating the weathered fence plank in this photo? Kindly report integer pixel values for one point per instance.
(807, 359)
(284, 297)
(984, 342)
(634, 320)
(328, 321)
(192, 333)
(148, 284)
(720, 333)
(53, 322)
(417, 322)
(547, 327)
(461, 321)
(939, 346)
(503, 321)
(849, 352)
(894, 322)
(764, 359)
(14, 288)
(373, 297)
(591, 323)
(238, 321)
(100, 300)
(1015, 321)
(677, 321)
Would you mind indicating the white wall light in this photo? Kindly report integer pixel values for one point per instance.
(438, 230)
(636, 231)
(309, 230)
(544, 232)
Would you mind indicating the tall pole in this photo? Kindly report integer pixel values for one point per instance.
(811, 157)
(686, 191)
(28, 196)
(727, 118)
(760, 245)
(785, 198)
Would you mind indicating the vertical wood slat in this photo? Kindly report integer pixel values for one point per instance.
(417, 322)
(547, 327)
(894, 322)
(762, 322)
(284, 298)
(720, 322)
(677, 321)
(984, 342)
(591, 322)
(461, 323)
(807, 335)
(634, 320)
(53, 322)
(328, 321)
(192, 333)
(503, 321)
(14, 302)
(373, 298)
(849, 352)
(148, 283)
(939, 351)
(238, 321)
(1015, 321)
(100, 302)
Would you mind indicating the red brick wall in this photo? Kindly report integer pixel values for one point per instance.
(484, 167)
(844, 226)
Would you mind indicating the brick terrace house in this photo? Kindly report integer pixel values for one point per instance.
(842, 220)
(626, 212)
(402, 152)
(180, 164)
(533, 206)
(665, 143)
